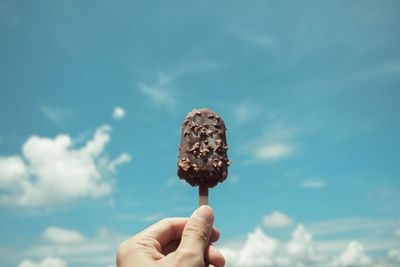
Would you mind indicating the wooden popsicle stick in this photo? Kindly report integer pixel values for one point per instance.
(203, 195)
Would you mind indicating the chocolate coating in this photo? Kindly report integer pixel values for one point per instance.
(203, 156)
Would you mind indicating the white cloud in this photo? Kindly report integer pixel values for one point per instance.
(233, 179)
(46, 262)
(347, 225)
(313, 183)
(277, 220)
(160, 91)
(61, 235)
(118, 113)
(300, 244)
(397, 232)
(354, 256)
(11, 171)
(274, 151)
(245, 112)
(258, 39)
(261, 250)
(57, 115)
(157, 94)
(394, 254)
(53, 171)
(274, 145)
(258, 250)
(123, 158)
(99, 249)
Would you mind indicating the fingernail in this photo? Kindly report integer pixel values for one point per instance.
(204, 213)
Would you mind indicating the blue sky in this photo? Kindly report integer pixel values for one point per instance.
(92, 95)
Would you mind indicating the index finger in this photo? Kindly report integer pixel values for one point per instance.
(168, 230)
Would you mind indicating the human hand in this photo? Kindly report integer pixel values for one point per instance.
(174, 242)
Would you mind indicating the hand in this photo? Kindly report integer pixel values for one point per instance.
(174, 242)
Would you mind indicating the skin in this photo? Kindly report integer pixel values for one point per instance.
(174, 242)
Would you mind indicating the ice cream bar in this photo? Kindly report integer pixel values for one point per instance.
(203, 159)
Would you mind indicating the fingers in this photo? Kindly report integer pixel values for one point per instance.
(170, 247)
(173, 245)
(214, 235)
(197, 232)
(214, 256)
(170, 229)
(164, 231)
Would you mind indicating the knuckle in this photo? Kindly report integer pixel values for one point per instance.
(166, 221)
(188, 256)
(122, 251)
(196, 230)
(144, 241)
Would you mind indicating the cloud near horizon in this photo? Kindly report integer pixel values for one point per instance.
(259, 249)
(46, 262)
(74, 247)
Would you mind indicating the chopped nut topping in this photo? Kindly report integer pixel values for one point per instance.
(195, 167)
(203, 131)
(194, 147)
(184, 165)
(204, 151)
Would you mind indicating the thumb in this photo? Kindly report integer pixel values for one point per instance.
(197, 232)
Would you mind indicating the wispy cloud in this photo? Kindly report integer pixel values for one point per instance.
(57, 115)
(313, 183)
(146, 218)
(271, 151)
(158, 92)
(398, 232)
(260, 39)
(233, 179)
(163, 90)
(347, 225)
(46, 262)
(245, 112)
(275, 144)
